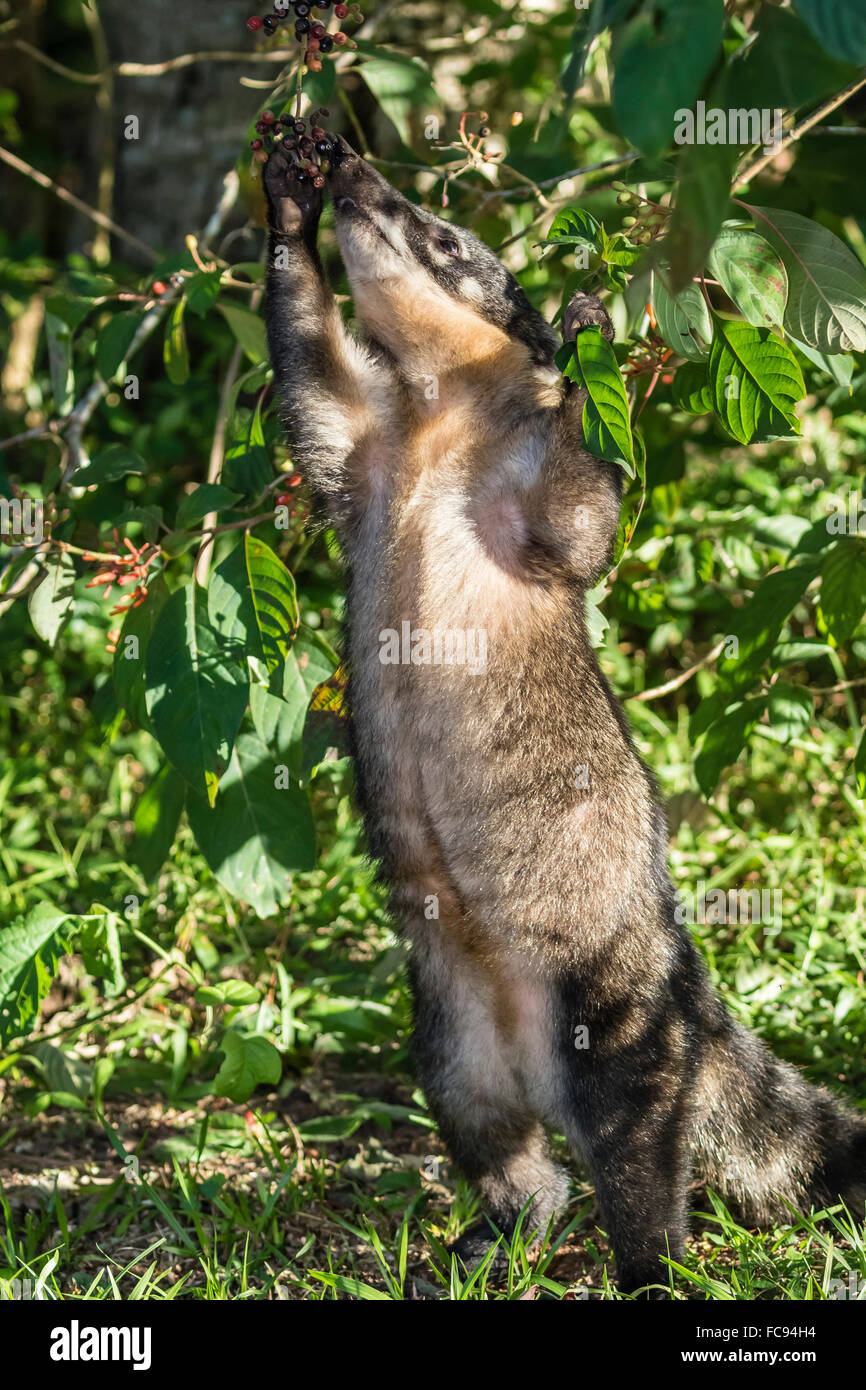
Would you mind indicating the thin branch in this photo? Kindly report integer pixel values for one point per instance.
(797, 132)
(658, 691)
(22, 167)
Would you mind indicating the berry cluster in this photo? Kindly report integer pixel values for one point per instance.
(309, 149)
(651, 218)
(311, 34)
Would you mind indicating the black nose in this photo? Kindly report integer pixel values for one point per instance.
(341, 150)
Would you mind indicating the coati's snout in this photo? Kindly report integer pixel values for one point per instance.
(411, 271)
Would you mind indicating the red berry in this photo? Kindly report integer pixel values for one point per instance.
(312, 45)
(256, 144)
(341, 11)
(158, 287)
(284, 499)
(268, 117)
(340, 38)
(295, 480)
(318, 31)
(254, 23)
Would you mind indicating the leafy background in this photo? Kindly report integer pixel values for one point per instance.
(204, 1022)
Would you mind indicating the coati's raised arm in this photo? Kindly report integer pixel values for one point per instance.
(329, 383)
(577, 512)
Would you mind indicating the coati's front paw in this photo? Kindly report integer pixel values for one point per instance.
(585, 311)
(295, 202)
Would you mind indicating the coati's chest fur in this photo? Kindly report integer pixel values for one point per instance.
(491, 762)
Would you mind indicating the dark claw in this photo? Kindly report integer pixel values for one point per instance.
(584, 311)
(292, 200)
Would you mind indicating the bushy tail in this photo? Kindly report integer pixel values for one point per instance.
(763, 1133)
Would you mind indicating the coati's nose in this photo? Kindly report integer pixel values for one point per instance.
(341, 150)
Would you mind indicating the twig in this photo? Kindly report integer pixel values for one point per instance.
(658, 691)
(104, 105)
(100, 218)
(182, 60)
(798, 131)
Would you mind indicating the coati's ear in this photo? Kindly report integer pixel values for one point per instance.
(585, 311)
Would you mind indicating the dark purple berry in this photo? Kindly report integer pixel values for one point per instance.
(300, 127)
(302, 9)
(270, 23)
(302, 27)
(326, 43)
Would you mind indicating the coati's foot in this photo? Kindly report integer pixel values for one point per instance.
(585, 311)
(476, 1243)
(295, 202)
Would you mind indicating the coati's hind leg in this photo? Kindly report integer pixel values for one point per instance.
(477, 1096)
(627, 1074)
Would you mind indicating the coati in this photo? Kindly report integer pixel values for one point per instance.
(553, 987)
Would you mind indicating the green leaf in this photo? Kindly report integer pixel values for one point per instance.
(840, 368)
(752, 275)
(724, 742)
(196, 697)
(113, 342)
(29, 953)
(249, 1062)
(100, 950)
(202, 290)
(59, 335)
(691, 389)
(758, 624)
(783, 66)
(274, 600)
(789, 710)
(606, 424)
(249, 330)
(128, 672)
(108, 464)
(400, 84)
(827, 284)
(259, 832)
(684, 320)
(574, 227)
(50, 603)
(174, 352)
(860, 766)
(660, 60)
(839, 26)
(279, 723)
(235, 994)
(208, 497)
(755, 381)
(843, 588)
(702, 201)
(157, 817)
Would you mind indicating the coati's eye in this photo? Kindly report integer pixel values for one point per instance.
(449, 246)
